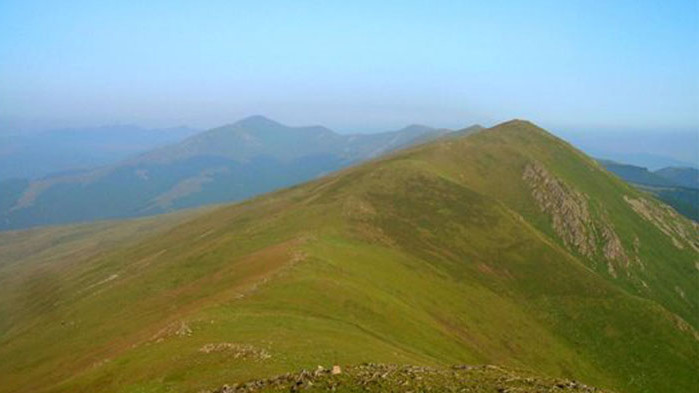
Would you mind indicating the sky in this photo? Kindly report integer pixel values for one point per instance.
(350, 65)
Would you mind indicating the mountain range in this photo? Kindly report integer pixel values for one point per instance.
(676, 186)
(503, 249)
(35, 155)
(644, 147)
(229, 163)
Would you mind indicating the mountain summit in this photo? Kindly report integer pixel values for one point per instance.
(506, 247)
(228, 163)
(257, 121)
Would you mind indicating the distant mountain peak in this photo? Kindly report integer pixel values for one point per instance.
(519, 126)
(416, 128)
(257, 121)
(517, 123)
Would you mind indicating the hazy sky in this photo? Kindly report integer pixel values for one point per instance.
(350, 65)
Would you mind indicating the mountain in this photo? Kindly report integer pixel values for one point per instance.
(650, 148)
(230, 163)
(258, 136)
(682, 176)
(678, 187)
(505, 247)
(37, 155)
(637, 174)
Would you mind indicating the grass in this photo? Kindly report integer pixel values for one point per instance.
(435, 255)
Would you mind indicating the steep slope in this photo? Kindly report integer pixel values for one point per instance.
(505, 247)
(234, 162)
(678, 187)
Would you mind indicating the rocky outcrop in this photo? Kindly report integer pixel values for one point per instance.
(571, 218)
(682, 232)
(174, 329)
(237, 350)
(394, 378)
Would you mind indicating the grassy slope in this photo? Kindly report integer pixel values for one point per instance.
(675, 186)
(435, 255)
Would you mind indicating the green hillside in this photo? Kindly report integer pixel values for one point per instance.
(506, 246)
(230, 163)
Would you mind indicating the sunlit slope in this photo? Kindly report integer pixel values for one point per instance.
(625, 235)
(505, 247)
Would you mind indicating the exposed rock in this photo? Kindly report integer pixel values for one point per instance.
(613, 249)
(680, 230)
(183, 330)
(680, 292)
(177, 328)
(572, 220)
(637, 252)
(371, 377)
(568, 208)
(238, 351)
(684, 326)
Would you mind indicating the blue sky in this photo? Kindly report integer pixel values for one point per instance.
(359, 65)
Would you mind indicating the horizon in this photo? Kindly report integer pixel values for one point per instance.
(647, 148)
(367, 128)
(353, 67)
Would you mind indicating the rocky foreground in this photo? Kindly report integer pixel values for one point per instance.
(394, 378)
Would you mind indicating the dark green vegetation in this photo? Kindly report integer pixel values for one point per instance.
(678, 187)
(504, 247)
(230, 163)
(392, 378)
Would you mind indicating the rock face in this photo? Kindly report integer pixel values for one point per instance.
(572, 220)
(681, 231)
(394, 378)
(570, 217)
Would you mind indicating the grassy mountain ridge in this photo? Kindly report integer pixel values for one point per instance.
(506, 247)
(229, 163)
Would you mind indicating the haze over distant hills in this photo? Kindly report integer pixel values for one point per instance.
(39, 154)
(506, 247)
(653, 149)
(229, 163)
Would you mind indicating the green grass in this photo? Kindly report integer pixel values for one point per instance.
(436, 255)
